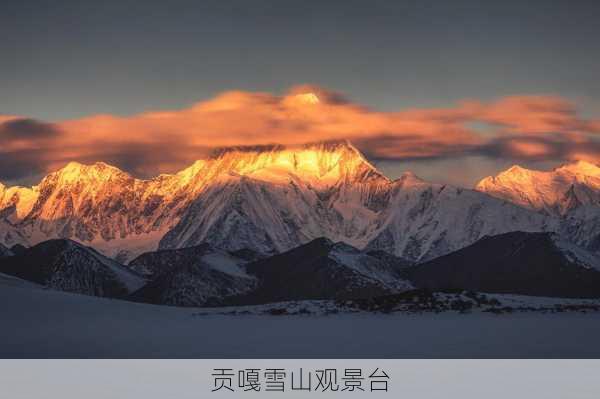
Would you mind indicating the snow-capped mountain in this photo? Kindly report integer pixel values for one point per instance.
(272, 199)
(555, 192)
(425, 220)
(69, 266)
(541, 264)
(265, 199)
(278, 195)
(570, 194)
(97, 204)
(193, 276)
(285, 200)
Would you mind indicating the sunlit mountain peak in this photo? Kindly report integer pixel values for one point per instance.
(307, 98)
(581, 167)
(98, 171)
(554, 191)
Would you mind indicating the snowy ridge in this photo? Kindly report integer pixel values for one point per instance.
(424, 220)
(270, 199)
(569, 194)
(556, 192)
(122, 216)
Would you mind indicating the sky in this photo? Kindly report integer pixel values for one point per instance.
(454, 91)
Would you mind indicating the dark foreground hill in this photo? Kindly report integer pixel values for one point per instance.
(69, 266)
(323, 269)
(195, 276)
(517, 263)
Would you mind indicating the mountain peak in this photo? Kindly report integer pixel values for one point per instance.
(321, 146)
(580, 167)
(332, 146)
(516, 169)
(319, 164)
(556, 191)
(514, 173)
(98, 171)
(409, 178)
(220, 152)
(77, 166)
(307, 98)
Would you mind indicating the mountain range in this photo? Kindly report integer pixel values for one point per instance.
(271, 199)
(263, 224)
(540, 264)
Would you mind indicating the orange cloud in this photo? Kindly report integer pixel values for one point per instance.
(164, 141)
(531, 149)
(6, 118)
(533, 114)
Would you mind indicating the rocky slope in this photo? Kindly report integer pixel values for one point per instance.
(5, 252)
(540, 264)
(193, 276)
(68, 266)
(322, 269)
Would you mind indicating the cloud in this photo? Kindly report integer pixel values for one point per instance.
(533, 114)
(24, 129)
(15, 166)
(26, 146)
(542, 147)
(520, 127)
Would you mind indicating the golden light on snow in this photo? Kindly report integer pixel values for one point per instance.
(308, 98)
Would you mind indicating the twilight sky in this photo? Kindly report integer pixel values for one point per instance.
(454, 90)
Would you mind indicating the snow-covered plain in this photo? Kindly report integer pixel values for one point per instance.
(37, 323)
